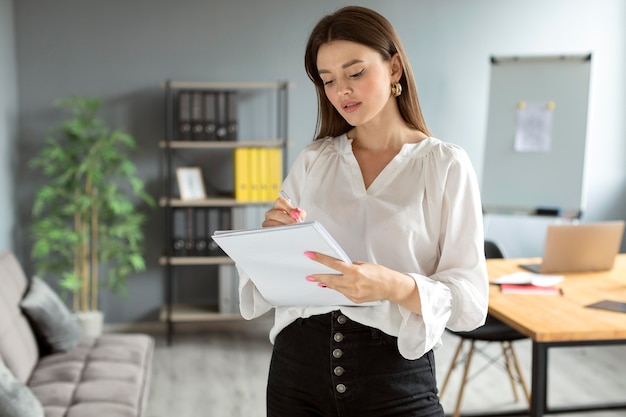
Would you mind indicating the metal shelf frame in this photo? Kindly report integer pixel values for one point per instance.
(171, 312)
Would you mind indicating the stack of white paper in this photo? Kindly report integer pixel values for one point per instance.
(274, 259)
(521, 278)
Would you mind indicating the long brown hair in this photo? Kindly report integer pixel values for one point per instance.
(369, 28)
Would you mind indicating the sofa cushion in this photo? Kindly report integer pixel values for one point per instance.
(16, 399)
(53, 322)
(108, 375)
(18, 347)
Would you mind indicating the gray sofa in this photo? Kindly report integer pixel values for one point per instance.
(103, 376)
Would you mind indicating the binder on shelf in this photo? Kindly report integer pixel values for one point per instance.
(275, 172)
(274, 259)
(226, 222)
(241, 162)
(178, 232)
(253, 173)
(213, 223)
(192, 228)
(190, 244)
(217, 218)
(231, 115)
(183, 116)
(221, 116)
(263, 174)
(209, 106)
(201, 235)
(258, 174)
(197, 113)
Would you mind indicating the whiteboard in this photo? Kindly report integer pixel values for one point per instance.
(516, 181)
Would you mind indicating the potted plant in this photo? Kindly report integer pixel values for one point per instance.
(86, 226)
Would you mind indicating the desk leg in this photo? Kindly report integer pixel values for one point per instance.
(539, 380)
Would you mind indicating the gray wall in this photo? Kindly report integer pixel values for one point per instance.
(123, 50)
(8, 123)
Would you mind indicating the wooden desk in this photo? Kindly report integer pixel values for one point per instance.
(556, 321)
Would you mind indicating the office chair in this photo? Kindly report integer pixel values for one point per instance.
(492, 331)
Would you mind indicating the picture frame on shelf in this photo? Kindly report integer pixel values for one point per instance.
(190, 183)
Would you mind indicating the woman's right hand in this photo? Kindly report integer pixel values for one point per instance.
(283, 213)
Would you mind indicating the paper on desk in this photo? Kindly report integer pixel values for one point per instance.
(521, 278)
(274, 259)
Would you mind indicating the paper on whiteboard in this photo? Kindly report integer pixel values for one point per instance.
(534, 128)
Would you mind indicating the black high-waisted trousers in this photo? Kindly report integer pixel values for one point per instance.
(331, 366)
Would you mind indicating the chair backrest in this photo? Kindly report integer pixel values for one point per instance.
(492, 250)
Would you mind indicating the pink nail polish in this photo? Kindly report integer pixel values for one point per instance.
(310, 278)
(321, 284)
(295, 215)
(309, 255)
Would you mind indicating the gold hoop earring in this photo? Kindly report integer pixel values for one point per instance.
(396, 89)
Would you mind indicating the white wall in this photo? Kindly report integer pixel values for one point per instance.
(8, 123)
(123, 50)
(450, 43)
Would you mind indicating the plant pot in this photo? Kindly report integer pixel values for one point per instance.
(91, 322)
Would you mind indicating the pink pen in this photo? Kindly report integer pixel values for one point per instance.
(294, 213)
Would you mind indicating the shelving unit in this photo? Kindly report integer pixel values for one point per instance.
(173, 150)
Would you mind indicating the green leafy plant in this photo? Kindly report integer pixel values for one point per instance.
(86, 227)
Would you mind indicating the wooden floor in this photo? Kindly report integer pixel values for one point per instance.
(221, 371)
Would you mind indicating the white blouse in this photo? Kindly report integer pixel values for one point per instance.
(421, 216)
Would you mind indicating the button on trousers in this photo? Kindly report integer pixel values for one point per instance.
(329, 365)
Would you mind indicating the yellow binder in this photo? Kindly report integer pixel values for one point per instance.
(255, 190)
(242, 174)
(264, 193)
(275, 172)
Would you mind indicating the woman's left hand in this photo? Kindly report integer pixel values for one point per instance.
(362, 282)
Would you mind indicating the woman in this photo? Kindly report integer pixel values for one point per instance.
(405, 205)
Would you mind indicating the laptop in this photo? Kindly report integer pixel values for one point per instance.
(582, 247)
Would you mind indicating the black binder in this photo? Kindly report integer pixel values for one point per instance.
(190, 244)
(231, 115)
(178, 232)
(221, 114)
(216, 218)
(201, 236)
(197, 116)
(184, 116)
(209, 113)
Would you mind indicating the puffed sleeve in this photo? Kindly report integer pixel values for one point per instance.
(251, 302)
(456, 295)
